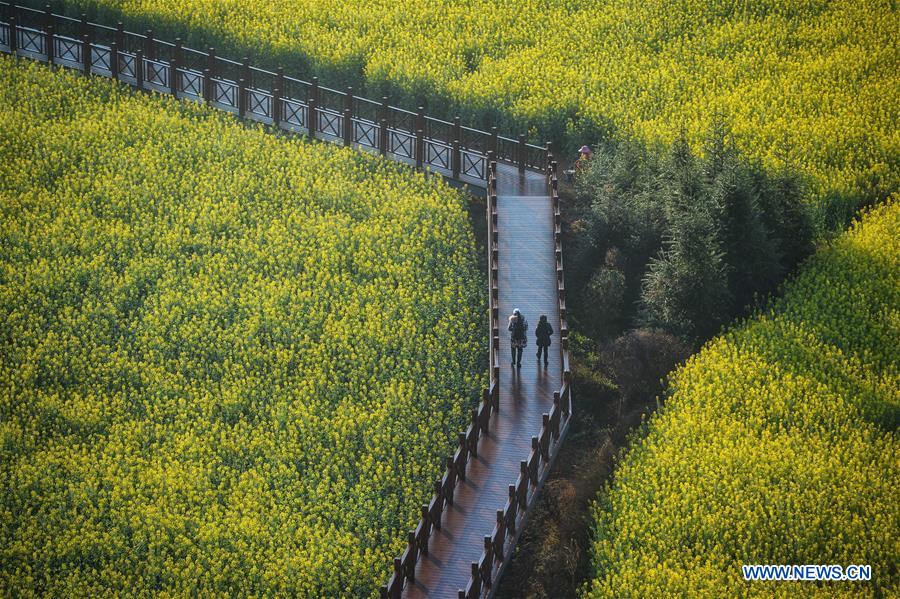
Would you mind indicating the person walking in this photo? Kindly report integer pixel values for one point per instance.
(518, 326)
(543, 332)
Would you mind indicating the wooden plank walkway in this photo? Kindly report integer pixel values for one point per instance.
(528, 281)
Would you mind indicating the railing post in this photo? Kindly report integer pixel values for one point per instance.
(452, 475)
(348, 127)
(491, 170)
(493, 145)
(173, 76)
(279, 79)
(522, 151)
(549, 157)
(120, 36)
(463, 456)
(348, 117)
(139, 69)
(456, 158)
(114, 61)
(276, 106)
(426, 523)
(398, 573)
(420, 118)
(149, 45)
(177, 51)
(348, 98)
(487, 572)
(48, 32)
(246, 73)
(420, 147)
(312, 102)
(557, 412)
(242, 97)
(513, 510)
(500, 538)
(383, 136)
(545, 437)
(83, 26)
(312, 118)
(13, 35)
(385, 108)
(177, 56)
(522, 491)
(410, 569)
(211, 66)
(207, 85)
(86, 54)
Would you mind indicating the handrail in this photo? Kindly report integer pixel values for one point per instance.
(467, 442)
(459, 154)
(533, 472)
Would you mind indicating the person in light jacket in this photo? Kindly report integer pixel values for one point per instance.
(543, 332)
(518, 326)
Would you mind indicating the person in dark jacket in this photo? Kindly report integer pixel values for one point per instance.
(518, 326)
(543, 332)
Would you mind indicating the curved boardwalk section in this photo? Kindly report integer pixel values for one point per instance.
(478, 530)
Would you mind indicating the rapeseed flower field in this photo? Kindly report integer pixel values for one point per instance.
(810, 86)
(777, 444)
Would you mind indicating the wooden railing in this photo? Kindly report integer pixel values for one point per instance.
(444, 487)
(447, 147)
(499, 545)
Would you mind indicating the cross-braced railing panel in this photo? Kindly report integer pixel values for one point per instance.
(31, 41)
(156, 72)
(67, 49)
(365, 133)
(474, 164)
(225, 93)
(329, 122)
(191, 83)
(259, 103)
(295, 113)
(127, 63)
(437, 154)
(402, 144)
(101, 60)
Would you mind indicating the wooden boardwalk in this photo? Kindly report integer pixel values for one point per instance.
(527, 281)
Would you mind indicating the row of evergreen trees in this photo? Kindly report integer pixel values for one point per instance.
(684, 242)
